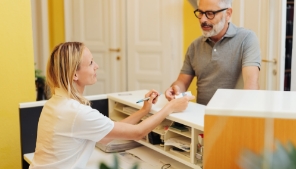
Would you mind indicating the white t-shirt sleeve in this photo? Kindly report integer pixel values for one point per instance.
(90, 124)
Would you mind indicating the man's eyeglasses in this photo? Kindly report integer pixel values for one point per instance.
(209, 14)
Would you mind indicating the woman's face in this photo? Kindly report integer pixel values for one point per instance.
(86, 75)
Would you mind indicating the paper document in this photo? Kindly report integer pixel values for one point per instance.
(179, 142)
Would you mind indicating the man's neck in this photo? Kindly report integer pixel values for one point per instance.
(217, 37)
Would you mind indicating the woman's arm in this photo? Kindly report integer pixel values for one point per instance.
(138, 131)
(138, 115)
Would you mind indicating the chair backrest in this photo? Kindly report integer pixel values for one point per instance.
(29, 114)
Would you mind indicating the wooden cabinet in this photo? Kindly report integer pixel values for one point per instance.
(236, 120)
(176, 137)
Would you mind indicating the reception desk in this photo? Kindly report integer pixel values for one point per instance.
(236, 120)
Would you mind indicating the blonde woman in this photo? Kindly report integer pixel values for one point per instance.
(68, 127)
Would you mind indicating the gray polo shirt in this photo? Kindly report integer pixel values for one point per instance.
(219, 65)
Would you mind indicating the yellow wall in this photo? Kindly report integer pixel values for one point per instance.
(56, 23)
(17, 76)
(191, 30)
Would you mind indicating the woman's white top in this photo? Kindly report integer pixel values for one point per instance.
(67, 133)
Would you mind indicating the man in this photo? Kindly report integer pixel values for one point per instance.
(220, 56)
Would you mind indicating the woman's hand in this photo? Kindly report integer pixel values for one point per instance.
(180, 104)
(153, 94)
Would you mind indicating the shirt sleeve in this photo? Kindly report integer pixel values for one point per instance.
(187, 67)
(91, 124)
(251, 52)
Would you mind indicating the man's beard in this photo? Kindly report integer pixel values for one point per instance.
(216, 28)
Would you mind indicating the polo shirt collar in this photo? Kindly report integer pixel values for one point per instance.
(231, 31)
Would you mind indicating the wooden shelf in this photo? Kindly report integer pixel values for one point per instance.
(185, 133)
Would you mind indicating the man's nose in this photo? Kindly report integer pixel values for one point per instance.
(203, 18)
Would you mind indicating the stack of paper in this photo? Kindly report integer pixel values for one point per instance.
(179, 142)
(118, 145)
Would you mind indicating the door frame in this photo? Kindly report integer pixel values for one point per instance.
(39, 10)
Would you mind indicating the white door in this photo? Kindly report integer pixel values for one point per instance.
(267, 19)
(136, 43)
(91, 22)
(154, 43)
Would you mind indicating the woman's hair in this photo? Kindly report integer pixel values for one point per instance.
(61, 67)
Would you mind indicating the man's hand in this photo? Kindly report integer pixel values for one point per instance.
(171, 92)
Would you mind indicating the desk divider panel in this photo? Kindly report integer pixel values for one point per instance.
(29, 118)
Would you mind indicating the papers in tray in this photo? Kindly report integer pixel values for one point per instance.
(179, 142)
(118, 145)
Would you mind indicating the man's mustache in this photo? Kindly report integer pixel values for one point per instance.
(206, 24)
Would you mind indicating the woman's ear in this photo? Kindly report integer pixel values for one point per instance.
(75, 77)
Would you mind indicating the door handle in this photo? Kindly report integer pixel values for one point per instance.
(114, 50)
(270, 61)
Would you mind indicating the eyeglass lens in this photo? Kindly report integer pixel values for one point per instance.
(209, 14)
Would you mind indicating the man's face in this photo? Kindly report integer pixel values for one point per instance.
(211, 27)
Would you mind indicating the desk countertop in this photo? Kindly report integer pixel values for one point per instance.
(253, 103)
(193, 116)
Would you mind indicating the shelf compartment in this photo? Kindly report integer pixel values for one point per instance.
(156, 147)
(186, 133)
(184, 155)
(180, 129)
(162, 127)
(179, 142)
(117, 116)
(129, 110)
(180, 158)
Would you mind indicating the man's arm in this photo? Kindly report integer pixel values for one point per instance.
(183, 81)
(180, 85)
(251, 77)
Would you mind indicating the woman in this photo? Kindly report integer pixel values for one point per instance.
(68, 127)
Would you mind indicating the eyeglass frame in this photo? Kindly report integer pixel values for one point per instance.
(205, 13)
